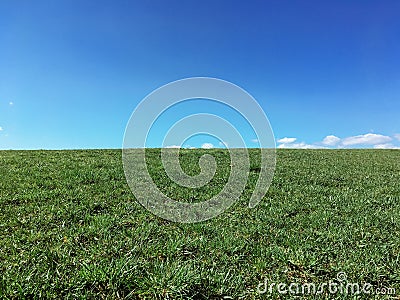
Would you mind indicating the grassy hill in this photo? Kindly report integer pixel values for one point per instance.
(70, 227)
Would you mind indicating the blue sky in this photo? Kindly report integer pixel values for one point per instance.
(326, 73)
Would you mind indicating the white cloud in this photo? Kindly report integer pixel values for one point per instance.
(331, 140)
(290, 143)
(172, 146)
(11, 103)
(372, 140)
(366, 139)
(286, 140)
(386, 146)
(301, 145)
(207, 146)
(1, 128)
(254, 140)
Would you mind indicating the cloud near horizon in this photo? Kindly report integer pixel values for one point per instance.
(386, 146)
(286, 140)
(207, 146)
(301, 145)
(203, 146)
(331, 140)
(368, 140)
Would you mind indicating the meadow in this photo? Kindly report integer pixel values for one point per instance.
(71, 228)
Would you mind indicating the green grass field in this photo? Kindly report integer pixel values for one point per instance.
(71, 228)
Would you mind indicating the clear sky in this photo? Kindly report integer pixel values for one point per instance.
(326, 73)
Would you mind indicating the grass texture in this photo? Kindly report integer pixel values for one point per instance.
(70, 227)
